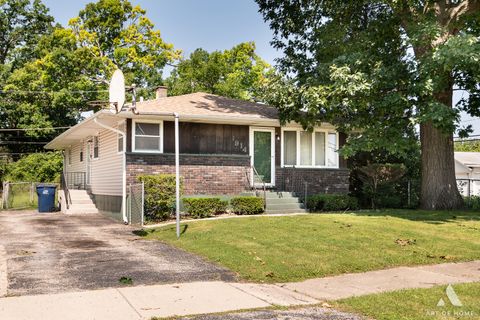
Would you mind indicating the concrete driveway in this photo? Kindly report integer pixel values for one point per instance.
(51, 253)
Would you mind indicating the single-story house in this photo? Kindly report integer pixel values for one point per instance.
(221, 140)
(467, 172)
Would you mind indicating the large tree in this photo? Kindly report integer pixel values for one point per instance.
(22, 23)
(379, 68)
(72, 66)
(235, 73)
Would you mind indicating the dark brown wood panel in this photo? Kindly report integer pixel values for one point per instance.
(203, 138)
(129, 135)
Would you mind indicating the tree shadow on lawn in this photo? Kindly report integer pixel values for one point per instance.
(145, 232)
(427, 216)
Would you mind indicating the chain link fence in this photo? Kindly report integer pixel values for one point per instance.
(135, 204)
(469, 187)
(18, 195)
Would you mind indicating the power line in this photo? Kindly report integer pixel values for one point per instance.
(22, 142)
(33, 129)
(50, 91)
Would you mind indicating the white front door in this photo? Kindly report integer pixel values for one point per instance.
(88, 169)
(262, 153)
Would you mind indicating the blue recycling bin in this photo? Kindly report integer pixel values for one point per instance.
(46, 198)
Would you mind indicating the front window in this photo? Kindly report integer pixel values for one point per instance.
(310, 149)
(290, 148)
(319, 148)
(148, 137)
(332, 150)
(305, 148)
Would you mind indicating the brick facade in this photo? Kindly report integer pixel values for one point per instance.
(202, 174)
(318, 180)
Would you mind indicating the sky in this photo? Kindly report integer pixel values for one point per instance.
(191, 24)
(208, 24)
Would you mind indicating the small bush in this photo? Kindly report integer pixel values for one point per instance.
(204, 207)
(331, 202)
(247, 205)
(159, 195)
(472, 202)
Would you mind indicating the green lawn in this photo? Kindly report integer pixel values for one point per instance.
(418, 304)
(293, 248)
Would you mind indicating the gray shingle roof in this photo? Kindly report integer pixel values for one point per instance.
(206, 104)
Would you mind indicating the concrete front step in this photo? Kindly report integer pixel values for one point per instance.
(282, 211)
(292, 206)
(81, 202)
(283, 201)
(278, 195)
(80, 210)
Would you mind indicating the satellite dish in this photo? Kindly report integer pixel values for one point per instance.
(116, 91)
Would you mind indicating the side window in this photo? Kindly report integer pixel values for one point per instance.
(69, 156)
(121, 127)
(148, 136)
(95, 146)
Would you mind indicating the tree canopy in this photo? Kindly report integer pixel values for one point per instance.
(67, 67)
(235, 73)
(376, 69)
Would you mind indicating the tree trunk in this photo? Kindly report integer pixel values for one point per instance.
(439, 187)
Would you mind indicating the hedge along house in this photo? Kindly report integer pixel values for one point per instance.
(227, 147)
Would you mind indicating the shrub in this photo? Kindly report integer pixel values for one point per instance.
(247, 205)
(159, 195)
(204, 207)
(36, 167)
(472, 202)
(331, 202)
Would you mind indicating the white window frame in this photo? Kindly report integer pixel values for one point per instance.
(120, 124)
(160, 123)
(96, 137)
(81, 154)
(298, 130)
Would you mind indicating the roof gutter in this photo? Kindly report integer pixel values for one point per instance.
(124, 166)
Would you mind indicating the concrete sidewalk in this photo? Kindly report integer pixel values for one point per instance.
(144, 302)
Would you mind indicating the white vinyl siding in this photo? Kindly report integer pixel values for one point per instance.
(72, 156)
(106, 170)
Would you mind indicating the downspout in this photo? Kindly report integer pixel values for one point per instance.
(177, 159)
(124, 167)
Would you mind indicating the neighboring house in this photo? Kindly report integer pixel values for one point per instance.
(467, 172)
(221, 140)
